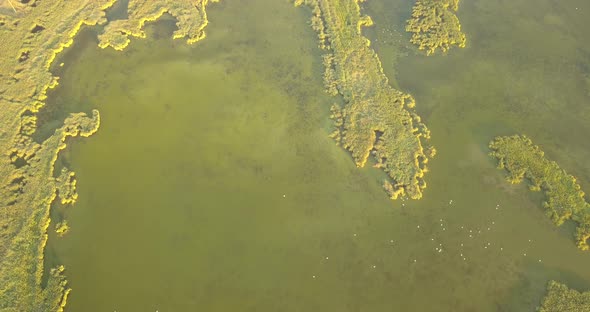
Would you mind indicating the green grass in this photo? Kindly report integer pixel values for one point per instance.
(31, 38)
(564, 198)
(434, 25)
(560, 298)
(190, 15)
(375, 118)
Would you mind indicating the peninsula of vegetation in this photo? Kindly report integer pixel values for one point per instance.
(434, 25)
(375, 118)
(33, 33)
(560, 298)
(564, 198)
(190, 15)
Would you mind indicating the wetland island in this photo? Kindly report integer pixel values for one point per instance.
(274, 155)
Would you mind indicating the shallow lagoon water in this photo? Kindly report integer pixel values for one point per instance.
(212, 185)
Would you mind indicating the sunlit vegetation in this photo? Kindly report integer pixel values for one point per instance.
(564, 200)
(190, 15)
(434, 25)
(375, 119)
(66, 187)
(560, 298)
(62, 228)
(32, 34)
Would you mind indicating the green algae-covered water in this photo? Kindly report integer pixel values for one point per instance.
(212, 185)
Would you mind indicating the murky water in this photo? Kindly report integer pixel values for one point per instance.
(212, 185)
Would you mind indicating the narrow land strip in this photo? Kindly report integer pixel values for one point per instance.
(375, 118)
(564, 198)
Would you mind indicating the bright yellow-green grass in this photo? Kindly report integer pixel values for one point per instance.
(66, 187)
(434, 25)
(190, 15)
(560, 298)
(61, 228)
(375, 118)
(32, 35)
(564, 198)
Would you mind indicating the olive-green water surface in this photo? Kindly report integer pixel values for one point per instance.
(526, 69)
(212, 185)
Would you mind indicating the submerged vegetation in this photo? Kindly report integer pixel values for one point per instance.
(375, 118)
(434, 25)
(564, 198)
(560, 298)
(32, 35)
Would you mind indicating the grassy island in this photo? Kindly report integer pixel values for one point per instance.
(560, 298)
(375, 118)
(564, 198)
(32, 34)
(434, 25)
